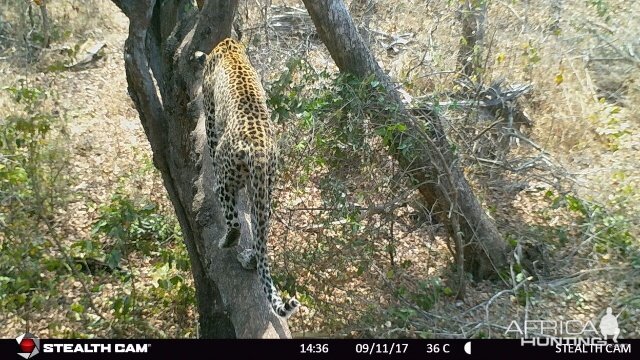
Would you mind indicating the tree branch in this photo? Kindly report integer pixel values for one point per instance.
(141, 85)
(214, 25)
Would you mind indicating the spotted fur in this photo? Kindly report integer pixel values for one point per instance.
(241, 139)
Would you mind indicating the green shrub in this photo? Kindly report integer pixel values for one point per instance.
(32, 187)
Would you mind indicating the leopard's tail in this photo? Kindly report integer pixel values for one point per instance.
(261, 168)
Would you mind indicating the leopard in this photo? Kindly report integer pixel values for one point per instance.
(242, 142)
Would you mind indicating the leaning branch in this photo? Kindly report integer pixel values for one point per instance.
(432, 164)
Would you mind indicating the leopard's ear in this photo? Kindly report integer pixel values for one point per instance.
(200, 58)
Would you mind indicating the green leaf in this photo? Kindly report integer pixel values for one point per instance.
(163, 284)
(176, 280)
(98, 226)
(113, 260)
(117, 305)
(447, 291)
(149, 207)
(78, 308)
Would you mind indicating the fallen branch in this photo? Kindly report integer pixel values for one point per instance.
(93, 54)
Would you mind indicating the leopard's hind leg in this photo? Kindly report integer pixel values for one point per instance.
(228, 186)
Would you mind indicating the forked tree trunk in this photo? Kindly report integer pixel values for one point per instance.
(164, 84)
(432, 165)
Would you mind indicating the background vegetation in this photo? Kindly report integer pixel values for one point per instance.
(89, 246)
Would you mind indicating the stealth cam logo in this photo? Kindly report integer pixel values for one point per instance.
(29, 345)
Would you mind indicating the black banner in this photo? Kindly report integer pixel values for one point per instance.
(32, 347)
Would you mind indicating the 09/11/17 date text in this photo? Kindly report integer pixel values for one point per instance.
(381, 348)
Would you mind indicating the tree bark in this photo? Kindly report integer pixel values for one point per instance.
(46, 26)
(164, 83)
(433, 166)
(472, 14)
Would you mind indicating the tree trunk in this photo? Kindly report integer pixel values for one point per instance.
(432, 165)
(46, 27)
(472, 14)
(164, 84)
